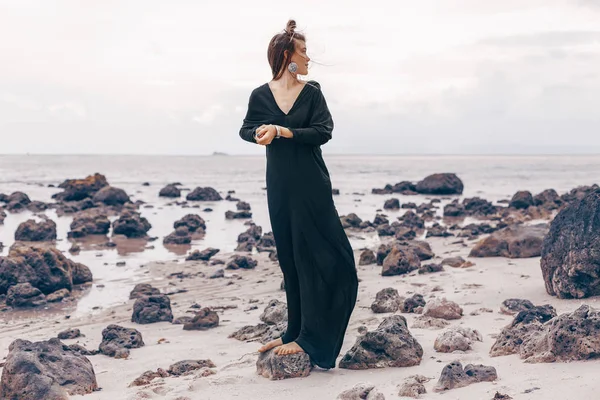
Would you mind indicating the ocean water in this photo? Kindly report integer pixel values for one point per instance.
(491, 177)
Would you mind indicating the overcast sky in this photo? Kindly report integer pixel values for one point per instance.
(400, 76)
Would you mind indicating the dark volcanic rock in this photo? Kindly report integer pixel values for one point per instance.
(89, 223)
(203, 255)
(80, 274)
(69, 334)
(57, 296)
(170, 191)
(412, 220)
(515, 241)
(392, 204)
(204, 194)
(17, 201)
(478, 207)
(430, 268)
(404, 187)
(350, 221)
(153, 308)
(386, 301)
(440, 184)
(367, 257)
(143, 289)
(132, 225)
(32, 231)
(522, 199)
(390, 345)
(204, 319)
(184, 367)
(443, 309)
(454, 376)
(181, 235)
(24, 295)
(275, 312)
(242, 205)
(111, 196)
(400, 261)
(2, 216)
(238, 214)
(193, 222)
(276, 367)
(412, 303)
(79, 189)
(548, 199)
(243, 262)
(45, 370)
(438, 230)
(514, 306)
(579, 193)
(454, 209)
(117, 340)
(571, 251)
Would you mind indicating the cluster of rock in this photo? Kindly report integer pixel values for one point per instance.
(273, 325)
(32, 275)
(438, 184)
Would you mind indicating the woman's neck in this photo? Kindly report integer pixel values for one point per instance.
(287, 81)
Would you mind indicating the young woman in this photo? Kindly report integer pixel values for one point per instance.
(291, 119)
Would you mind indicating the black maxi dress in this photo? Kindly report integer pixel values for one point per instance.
(314, 253)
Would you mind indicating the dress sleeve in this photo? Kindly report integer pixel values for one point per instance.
(321, 123)
(251, 121)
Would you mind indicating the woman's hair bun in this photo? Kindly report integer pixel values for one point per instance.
(290, 27)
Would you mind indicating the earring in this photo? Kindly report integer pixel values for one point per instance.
(293, 67)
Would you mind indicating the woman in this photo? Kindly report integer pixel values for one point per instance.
(292, 120)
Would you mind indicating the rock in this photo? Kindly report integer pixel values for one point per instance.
(45, 370)
(438, 230)
(412, 220)
(526, 324)
(413, 386)
(204, 194)
(17, 201)
(515, 241)
(454, 376)
(2, 216)
(193, 222)
(203, 255)
(202, 320)
(457, 262)
(425, 322)
(218, 274)
(180, 236)
(150, 309)
(400, 261)
(548, 199)
(350, 221)
(80, 273)
(578, 193)
(32, 231)
(430, 268)
(89, 222)
(457, 338)
(392, 204)
(79, 189)
(111, 196)
(266, 242)
(69, 334)
(148, 376)
(132, 225)
(380, 219)
(117, 340)
(412, 303)
(442, 308)
(170, 191)
(238, 215)
(521, 200)
(499, 396)
(143, 289)
(454, 209)
(367, 257)
(57, 296)
(514, 306)
(570, 260)
(24, 295)
(440, 184)
(276, 367)
(361, 391)
(182, 320)
(390, 345)
(275, 312)
(386, 301)
(243, 262)
(478, 207)
(185, 367)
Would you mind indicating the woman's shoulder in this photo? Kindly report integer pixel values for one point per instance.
(314, 84)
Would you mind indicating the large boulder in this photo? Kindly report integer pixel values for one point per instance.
(390, 345)
(153, 308)
(440, 184)
(111, 196)
(522, 199)
(204, 194)
(117, 340)
(33, 231)
(89, 222)
(548, 199)
(193, 222)
(79, 189)
(571, 251)
(454, 376)
(44, 268)
(45, 370)
(514, 241)
(132, 225)
(170, 191)
(181, 235)
(17, 201)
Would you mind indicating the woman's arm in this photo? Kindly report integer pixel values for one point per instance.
(249, 124)
(320, 127)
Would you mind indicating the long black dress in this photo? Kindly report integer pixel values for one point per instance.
(314, 252)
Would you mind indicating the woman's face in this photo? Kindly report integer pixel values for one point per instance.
(301, 58)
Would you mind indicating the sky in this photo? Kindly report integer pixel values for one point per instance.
(399, 76)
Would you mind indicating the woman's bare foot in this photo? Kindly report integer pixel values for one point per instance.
(270, 345)
(289, 348)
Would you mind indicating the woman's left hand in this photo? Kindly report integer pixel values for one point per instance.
(266, 134)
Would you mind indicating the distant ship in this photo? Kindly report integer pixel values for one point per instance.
(218, 153)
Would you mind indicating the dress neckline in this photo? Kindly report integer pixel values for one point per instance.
(293, 104)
